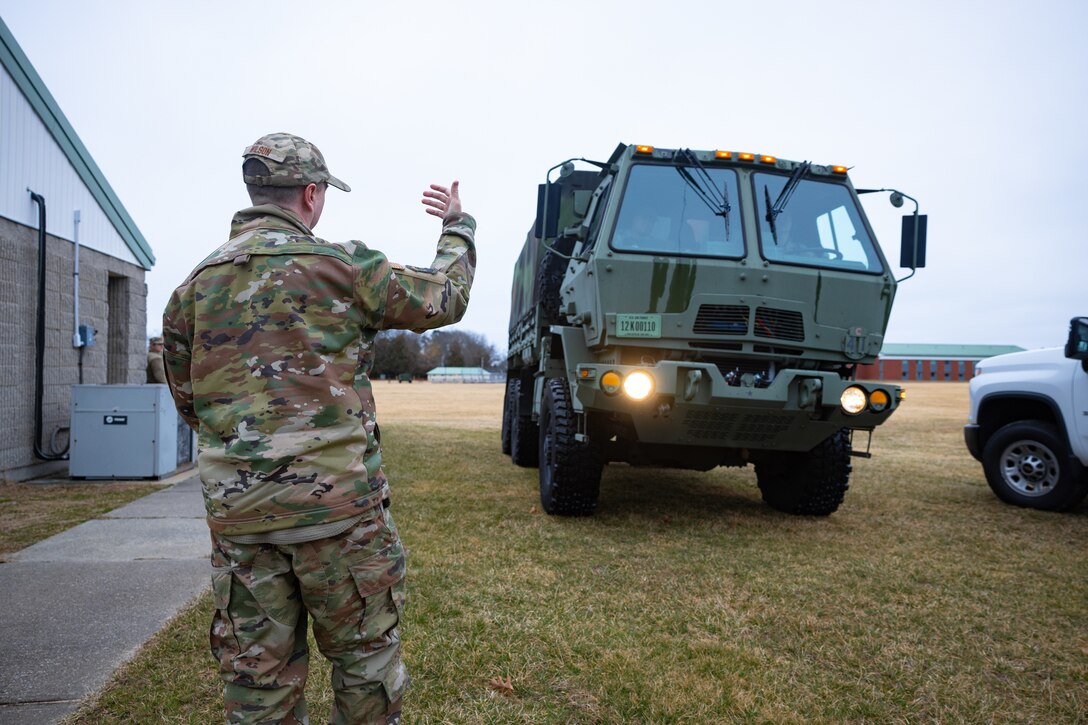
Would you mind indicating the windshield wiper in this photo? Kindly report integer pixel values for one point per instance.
(773, 210)
(704, 187)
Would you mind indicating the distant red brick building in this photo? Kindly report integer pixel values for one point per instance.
(944, 363)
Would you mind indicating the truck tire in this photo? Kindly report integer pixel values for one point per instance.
(1027, 463)
(523, 431)
(570, 471)
(548, 282)
(809, 484)
(507, 414)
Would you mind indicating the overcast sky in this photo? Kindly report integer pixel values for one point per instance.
(977, 109)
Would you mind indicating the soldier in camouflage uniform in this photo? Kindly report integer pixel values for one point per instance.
(156, 366)
(268, 345)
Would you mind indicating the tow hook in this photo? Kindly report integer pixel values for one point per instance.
(692, 385)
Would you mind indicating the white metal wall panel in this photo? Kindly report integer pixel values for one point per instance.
(29, 157)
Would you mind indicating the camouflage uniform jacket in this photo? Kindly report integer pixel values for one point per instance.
(268, 346)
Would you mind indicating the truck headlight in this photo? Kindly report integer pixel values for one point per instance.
(853, 400)
(638, 385)
(610, 382)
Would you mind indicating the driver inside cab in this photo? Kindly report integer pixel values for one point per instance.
(799, 241)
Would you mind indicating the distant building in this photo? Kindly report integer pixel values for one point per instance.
(40, 152)
(940, 363)
(463, 375)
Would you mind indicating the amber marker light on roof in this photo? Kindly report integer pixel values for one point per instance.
(723, 154)
(644, 149)
(839, 169)
(768, 159)
(746, 156)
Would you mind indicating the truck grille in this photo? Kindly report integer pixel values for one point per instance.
(779, 324)
(722, 320)
(750, 428)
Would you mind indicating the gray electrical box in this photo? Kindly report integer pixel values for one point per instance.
(126, 431)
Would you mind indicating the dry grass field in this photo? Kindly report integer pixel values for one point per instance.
(469, 407)
(686, 600)
(30, 512)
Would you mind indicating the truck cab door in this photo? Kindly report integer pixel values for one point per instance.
(1079, 437)
(1076, 348)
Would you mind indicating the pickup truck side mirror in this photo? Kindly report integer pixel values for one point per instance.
(1076, 347)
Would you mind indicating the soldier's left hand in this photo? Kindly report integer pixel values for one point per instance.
(442, 201)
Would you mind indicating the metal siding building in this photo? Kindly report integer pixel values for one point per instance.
(40, 151)
(934, 362)
(463, 375)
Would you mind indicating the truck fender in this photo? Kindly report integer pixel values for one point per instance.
(572, 341)
(998, 409)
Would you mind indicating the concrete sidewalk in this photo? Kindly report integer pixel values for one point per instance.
(79, 604)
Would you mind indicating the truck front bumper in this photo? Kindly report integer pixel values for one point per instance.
(694, 404)
(970, 437)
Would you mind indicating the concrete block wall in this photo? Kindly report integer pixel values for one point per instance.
(18, 311)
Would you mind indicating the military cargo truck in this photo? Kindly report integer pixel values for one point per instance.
(695, 309)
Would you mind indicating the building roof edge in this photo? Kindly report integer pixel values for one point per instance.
(15, 61)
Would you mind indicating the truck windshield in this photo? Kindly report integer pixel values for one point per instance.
(663, 212)
(821, 226)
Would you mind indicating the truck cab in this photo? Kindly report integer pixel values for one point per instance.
(695, 309)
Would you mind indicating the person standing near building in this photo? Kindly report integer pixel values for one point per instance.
(268, 346)
(156, 366)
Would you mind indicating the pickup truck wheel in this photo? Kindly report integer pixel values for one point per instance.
(507, 415)
(523, 431)
(813, 483)
(570, 471)
(1028, 464)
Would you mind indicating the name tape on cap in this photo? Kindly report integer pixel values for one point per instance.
(266, 151)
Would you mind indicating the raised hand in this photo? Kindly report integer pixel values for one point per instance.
(442, 201)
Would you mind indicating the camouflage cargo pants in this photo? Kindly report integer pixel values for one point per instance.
(352, 585)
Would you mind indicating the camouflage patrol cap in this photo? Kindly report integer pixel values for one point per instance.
(291, 161)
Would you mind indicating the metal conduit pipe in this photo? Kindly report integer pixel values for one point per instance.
(39, 342)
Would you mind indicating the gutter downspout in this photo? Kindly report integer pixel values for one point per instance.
(77, 341)
(77, 338)
(39, 342)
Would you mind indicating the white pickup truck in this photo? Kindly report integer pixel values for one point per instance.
(1028, 423)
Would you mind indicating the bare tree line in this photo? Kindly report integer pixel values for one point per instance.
(398, 351)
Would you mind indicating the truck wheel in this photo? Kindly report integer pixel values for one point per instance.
(812, 483)
(523, 431)
(1028, 464)
(570, 471)
(507, 414)
(549, 281)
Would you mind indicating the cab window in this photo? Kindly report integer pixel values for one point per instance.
(820, 226)
(669, 211)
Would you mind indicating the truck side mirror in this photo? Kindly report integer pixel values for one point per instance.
(912, 250)
(547, 220)
(1076, 347)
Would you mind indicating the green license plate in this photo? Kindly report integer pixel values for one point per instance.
(638, 325)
